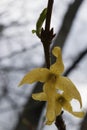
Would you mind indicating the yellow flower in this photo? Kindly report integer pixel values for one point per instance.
(53, 81)
(55, 106)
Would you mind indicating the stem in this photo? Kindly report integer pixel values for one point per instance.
(60, 122)
(49, 13)
(46, 38)
(47, 34)
(47, 55)
(47, 29)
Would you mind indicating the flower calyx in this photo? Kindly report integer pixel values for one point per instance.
(47, 36)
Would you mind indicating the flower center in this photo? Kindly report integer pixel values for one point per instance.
(52, 77)
(61, 100)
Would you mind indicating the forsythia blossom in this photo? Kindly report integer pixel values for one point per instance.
(54, 82)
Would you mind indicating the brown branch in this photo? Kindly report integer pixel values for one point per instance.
(46, 38)
(47, 33)
(48, 17)
(60, 122)
(84, 123)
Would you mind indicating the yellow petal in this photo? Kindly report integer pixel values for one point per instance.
(70, 91)
(50, 114)
(58, 108)
(49, 89)
(78, 114)
(48, 122)
(68, 108)
(39, 96)
(38, 74)
(58, 66)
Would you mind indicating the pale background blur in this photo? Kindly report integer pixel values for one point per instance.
(20, 51)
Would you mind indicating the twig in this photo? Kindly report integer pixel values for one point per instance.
(48, 17)
(47, 33)
(46, 38)
(77, 60)
(60, 122)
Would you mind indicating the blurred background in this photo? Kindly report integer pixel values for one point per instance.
(21, 51)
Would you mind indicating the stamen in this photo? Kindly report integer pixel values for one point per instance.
(52, 77)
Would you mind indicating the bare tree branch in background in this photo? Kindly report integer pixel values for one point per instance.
(77, 60)
(23, 50)
(32, 115)
(84, 123)
(67, 23)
